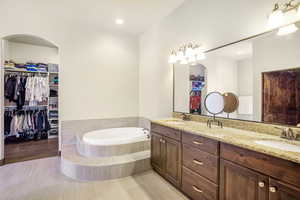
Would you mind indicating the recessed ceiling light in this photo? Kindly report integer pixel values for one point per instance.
(119, 21)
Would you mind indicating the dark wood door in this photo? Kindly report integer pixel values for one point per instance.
(281, 97)
(157, 152)
(172, 160)
(283, 191)
(239, 183)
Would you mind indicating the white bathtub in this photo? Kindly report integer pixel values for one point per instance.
(115, 136)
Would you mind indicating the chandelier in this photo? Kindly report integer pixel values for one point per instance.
(187, 54)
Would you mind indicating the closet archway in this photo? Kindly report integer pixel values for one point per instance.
(29, 98)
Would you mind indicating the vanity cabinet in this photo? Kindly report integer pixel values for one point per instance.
(283, 191)
(240, 183)
(247, 175)
(166, 153)
(206, 169)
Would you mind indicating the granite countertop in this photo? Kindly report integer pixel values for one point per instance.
(237, 137)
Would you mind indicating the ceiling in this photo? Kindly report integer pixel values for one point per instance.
(138, 15)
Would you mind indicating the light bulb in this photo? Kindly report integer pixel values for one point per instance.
(180, 55)
(183, 61)
(192, 59)
(201, 56)
(172, 59)
(189, 52)
(287, 30)
(275, 19)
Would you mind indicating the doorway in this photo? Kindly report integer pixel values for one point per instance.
(29, 108)
(281, 97)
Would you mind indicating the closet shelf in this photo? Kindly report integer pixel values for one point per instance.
(25, 71)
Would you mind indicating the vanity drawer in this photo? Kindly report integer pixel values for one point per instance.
(198, 187)
(205, 164)
(166, 131)
(202, 143)
(275, 167)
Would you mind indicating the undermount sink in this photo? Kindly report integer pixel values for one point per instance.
(279, 145)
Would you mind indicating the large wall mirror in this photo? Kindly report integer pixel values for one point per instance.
(258, 77)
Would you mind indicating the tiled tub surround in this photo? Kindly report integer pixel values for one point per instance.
(241, 138)
(86, 162)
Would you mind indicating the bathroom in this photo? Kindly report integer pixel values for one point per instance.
(131, 118)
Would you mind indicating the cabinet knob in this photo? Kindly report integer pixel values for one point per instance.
(197, 143)
(197, 162)
(273, 189)
(197, 189)
(261, 184)
(163, 141)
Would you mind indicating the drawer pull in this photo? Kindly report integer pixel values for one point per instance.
(197, 162)
(261, 184)
(197, 189)
(273, 189)
(197, 143)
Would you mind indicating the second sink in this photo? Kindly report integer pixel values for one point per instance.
(279, 145)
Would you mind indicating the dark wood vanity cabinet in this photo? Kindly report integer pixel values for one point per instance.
(283, 191)
(237, 182)
(166, 155)
(205, 169)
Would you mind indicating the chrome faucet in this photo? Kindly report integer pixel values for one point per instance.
(185, 117)
(288, 133)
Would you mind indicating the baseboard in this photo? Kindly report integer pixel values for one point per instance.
(1, 162)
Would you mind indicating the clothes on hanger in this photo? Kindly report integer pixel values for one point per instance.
(23, 88)
(195, 102)
(37, 89)
(26, 125)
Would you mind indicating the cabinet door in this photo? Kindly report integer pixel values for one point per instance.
(239, 183)
(283, 191)
(172, 160)
(157, 152)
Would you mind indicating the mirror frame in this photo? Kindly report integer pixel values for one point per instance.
(215, 92)
(222, 46)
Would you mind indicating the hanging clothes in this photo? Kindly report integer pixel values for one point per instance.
(195, 102)
(23, 88)
(26, 125)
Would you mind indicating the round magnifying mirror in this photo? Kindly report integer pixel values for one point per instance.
(231, 102)
(214, 103)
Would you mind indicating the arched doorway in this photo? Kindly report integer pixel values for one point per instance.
(29, 98)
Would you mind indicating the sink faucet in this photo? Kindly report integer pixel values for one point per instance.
(288, 133)
(185, 117)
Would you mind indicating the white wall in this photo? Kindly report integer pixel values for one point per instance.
(99, 69)
(245, 82)
(23, 53)
(182, 88)
(212, 23)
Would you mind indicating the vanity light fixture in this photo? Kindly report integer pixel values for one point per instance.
(287, 29)
(187, 54)
(276, 18)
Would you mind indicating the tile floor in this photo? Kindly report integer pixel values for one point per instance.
(42, 180)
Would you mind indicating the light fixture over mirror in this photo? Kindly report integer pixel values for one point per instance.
(279, 13)
(187, 54)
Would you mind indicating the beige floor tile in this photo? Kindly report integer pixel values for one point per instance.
(42, 180)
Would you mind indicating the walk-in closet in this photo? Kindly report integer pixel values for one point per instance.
(30, 76)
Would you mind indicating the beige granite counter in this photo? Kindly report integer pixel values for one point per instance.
(237, 137)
